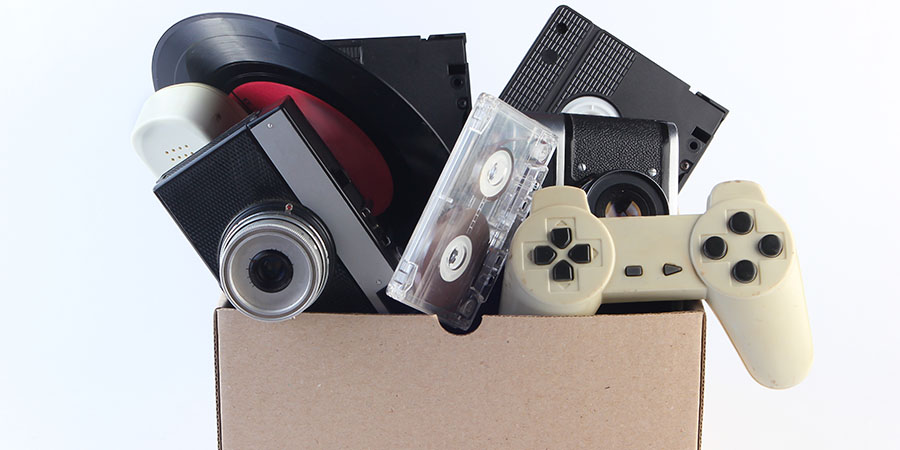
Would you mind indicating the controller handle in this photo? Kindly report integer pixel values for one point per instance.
(770, 332)
(767, 322)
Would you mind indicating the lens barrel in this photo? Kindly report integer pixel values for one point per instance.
(274, 262)
(626, 194)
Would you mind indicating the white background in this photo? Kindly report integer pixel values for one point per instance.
(106, 318)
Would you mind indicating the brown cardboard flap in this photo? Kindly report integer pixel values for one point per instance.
(402, 381)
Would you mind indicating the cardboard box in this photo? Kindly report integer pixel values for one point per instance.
(625, 380)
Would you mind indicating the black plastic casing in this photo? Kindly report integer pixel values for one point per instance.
(432, 74)
(572, 58)
(232, 174)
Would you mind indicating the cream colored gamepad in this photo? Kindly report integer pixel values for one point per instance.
(739, 256)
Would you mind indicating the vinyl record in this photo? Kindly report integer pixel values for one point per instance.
(228, 50)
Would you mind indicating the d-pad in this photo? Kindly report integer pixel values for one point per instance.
(561, 238)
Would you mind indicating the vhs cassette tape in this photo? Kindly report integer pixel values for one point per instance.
(484, 192)
(576, 67)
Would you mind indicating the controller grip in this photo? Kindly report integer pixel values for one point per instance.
(770, 332)
(517, 300)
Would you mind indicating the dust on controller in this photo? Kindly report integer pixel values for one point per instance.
(741, 258)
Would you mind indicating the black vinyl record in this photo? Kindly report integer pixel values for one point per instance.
(227, 50)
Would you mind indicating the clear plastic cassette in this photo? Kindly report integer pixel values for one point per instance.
(484, 192)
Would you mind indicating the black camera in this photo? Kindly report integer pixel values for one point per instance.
(629, 167)
(279, 222)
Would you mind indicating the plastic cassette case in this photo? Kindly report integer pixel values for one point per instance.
(484, 192)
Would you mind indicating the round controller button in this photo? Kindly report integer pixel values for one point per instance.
(741, 222)
(770, 245)
(744, 271)
(715, 247)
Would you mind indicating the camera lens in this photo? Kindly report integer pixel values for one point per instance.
(271, 271)
(273, 264)
(619, 201)
(626, 194)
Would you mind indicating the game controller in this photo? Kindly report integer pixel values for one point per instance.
(740, 257)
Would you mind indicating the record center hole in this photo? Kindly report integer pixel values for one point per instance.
(561, 28)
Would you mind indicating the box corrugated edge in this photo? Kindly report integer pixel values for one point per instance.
(702, 376)
(216, 363)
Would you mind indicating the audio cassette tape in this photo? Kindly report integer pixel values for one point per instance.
(576, 67)
(484, 192)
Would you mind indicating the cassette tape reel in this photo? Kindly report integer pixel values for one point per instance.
(483, 193)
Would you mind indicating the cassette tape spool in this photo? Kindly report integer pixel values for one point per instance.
(482, 195)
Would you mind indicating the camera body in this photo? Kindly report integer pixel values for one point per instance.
(629, 167)
(278, 221)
